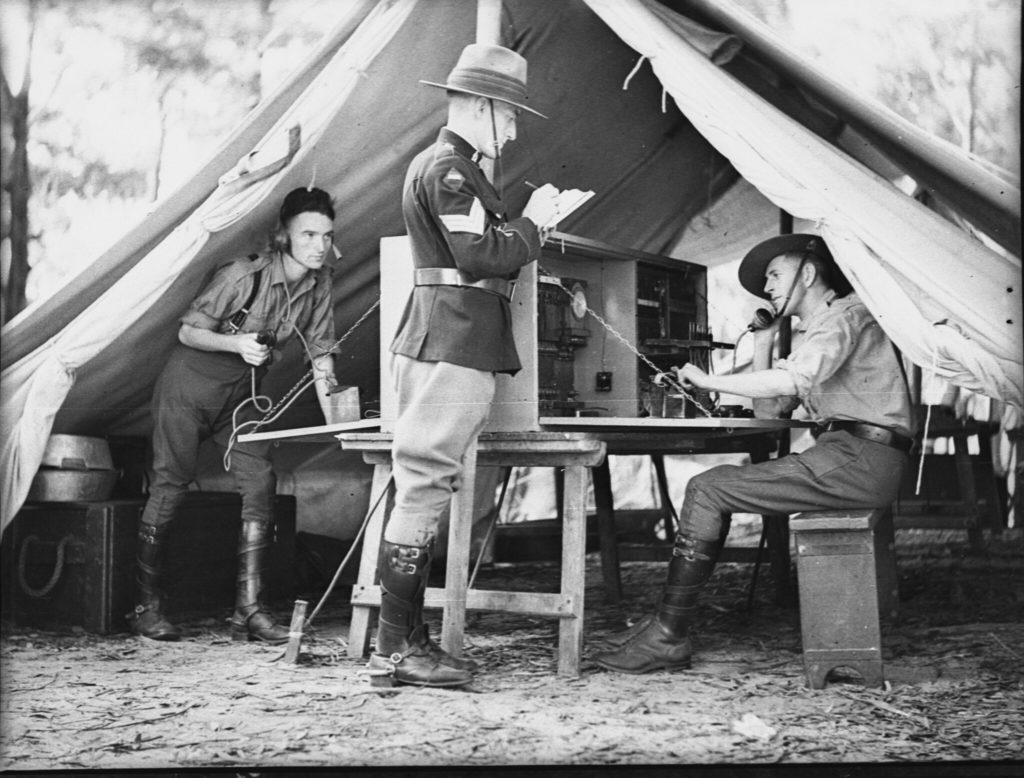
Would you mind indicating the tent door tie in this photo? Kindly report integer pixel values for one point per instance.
(636, 67)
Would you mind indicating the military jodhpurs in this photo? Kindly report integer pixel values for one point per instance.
(442, 408)
(840, 471)
(194, 399)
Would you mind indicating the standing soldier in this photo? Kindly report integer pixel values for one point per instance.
(454, 336)
(226, 337)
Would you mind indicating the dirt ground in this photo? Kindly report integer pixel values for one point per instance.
(954, 691)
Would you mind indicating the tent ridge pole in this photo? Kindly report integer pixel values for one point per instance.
(488, 21)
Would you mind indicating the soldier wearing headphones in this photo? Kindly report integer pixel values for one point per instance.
(225, 344)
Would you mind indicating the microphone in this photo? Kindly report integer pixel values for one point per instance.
(763, 318)
(268, 337)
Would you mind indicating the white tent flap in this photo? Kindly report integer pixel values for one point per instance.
(880, 237)
(34, 388)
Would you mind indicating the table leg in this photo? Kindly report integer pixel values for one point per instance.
(460, 534)
(777, 528)
(886, 571)
(667, 508)
(358, 633)
(606, 528)
(559, 491)
(574, 552)
(776, 533)
(968, 494)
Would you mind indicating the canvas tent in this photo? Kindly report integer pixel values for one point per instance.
(657, 115)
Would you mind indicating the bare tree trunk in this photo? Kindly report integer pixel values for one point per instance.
(972, 96)
(266, 25)
(161, 138)
(18, 184)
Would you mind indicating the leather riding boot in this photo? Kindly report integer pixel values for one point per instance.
(661, 641)
(620, 639)
(147, 619)
(251, 619)
(403, 653)
(435, 650)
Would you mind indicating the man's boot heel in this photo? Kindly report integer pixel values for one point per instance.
(404, 653)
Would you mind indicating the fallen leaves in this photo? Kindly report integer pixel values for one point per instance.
(749, 725)
(115, 702)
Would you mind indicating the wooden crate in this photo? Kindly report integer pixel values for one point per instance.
(73, 564)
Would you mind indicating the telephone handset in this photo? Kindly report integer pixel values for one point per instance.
(763, 318)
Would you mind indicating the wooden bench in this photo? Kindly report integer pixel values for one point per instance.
(846, 574)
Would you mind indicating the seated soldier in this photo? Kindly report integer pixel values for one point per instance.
(849, 378)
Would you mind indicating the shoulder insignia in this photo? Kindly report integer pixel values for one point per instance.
(453, 179)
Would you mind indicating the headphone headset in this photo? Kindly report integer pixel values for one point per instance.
(279, 240)
(301, 200)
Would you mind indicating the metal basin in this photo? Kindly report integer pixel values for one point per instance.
(77, 452)
(75, 468)
(53, 485)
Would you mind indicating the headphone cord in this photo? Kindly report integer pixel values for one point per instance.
(272, 414)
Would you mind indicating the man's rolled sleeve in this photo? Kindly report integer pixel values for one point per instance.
(320, 330)
(219, 300)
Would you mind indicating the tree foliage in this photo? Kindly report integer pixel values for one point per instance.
(127, 98)
(951, 67)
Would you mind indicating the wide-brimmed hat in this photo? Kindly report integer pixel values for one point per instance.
(755, 263)
(490, 71)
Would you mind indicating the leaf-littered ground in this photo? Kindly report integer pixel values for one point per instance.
(954, 689)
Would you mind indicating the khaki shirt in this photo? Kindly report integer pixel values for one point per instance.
(845, 367)
(308, 309)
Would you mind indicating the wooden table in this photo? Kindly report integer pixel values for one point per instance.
(574, 452)
(572, 445)
(657, 437)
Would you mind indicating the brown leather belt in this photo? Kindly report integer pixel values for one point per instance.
(872, 432)
(451, 276)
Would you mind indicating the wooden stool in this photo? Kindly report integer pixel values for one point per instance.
(846, 573)
(573, 452)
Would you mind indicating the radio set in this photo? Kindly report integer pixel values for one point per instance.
(593, 324)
